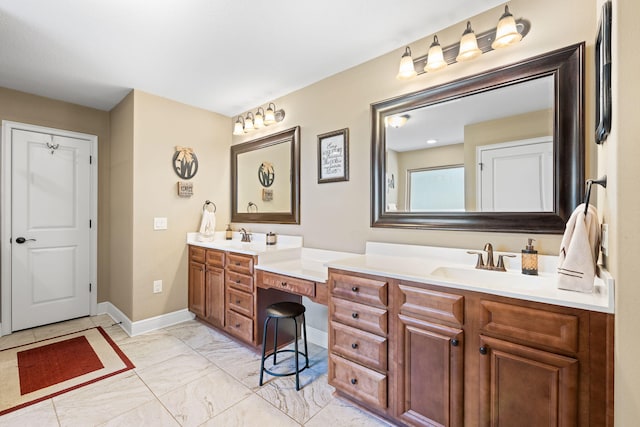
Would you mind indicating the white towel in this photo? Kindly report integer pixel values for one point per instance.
(207, 226)
(579, 251)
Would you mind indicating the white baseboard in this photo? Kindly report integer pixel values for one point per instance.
(145, 325)
(318, 337)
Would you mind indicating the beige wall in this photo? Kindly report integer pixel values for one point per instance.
(26, 108)
(159, 126)
(121, 205)
(618, 158)
(506, 129)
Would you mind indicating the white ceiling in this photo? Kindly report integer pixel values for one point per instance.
(226, 56)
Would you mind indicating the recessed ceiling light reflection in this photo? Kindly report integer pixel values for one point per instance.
(432, 141)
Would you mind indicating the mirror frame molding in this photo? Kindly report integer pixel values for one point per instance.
(292, 217)
(566, 65)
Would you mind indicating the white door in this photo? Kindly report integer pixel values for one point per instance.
(516, 176)
(50, 229)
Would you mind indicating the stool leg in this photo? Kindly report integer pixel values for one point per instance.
(296, 356)
(304, 331)
(275, 342)
(264, 348)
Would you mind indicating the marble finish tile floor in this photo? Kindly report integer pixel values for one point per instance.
(188, 375)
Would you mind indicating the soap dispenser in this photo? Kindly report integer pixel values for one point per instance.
(228, 234)
(530, 259)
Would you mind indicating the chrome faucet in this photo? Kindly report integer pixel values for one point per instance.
(246, 236)
(481, 265)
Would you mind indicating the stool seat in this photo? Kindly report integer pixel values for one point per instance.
(285, 309)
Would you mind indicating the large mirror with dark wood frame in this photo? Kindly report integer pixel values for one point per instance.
(498, 151)
(265, 179)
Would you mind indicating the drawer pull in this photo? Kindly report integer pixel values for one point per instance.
(354, 381)
(237, 280)
(283, 284)
(454, 342)
(237, 325)
(355, 289)
(237, 301)
(237, 263)
(354, 345)
(354, 315)
(483, 350)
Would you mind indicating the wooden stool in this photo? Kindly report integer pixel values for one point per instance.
(277, 311)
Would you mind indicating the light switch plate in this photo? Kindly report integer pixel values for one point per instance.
(157, 286)
(160, 223)
(604, 239)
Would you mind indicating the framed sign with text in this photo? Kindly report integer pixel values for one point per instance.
(333, 156)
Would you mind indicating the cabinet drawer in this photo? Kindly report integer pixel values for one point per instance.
(427, 304)
(240, 302)
(359, 346)
(357, 381)
(532, 326)
(215, 258)
(197, 254)
(240, 263)
(370, 319)
(289, 284)
(240, 281)
(239, 325)
(360, 289)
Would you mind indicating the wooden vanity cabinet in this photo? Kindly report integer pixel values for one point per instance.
(457, 357)
(358, 338)
(430, 354)
(206, 284)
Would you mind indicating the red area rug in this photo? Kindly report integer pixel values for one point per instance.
(35, 372)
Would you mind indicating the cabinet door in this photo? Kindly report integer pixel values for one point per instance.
(523, 386)
(431, 373)
(197, 289)
(215, 296)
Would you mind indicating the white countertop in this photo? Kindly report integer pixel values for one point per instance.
(447, 267)
(419, 263)
(288, 247)
(311, 265)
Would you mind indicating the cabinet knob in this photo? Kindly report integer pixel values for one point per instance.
(454, 342)
(354, 289)
(483, 350)
(354, 345)
(354, 315)
(354, 381)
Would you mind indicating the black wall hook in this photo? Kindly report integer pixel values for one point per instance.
(602, 181)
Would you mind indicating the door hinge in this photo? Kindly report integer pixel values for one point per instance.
(481, 165)
(89, 223)
(90, 160)
(89, 287)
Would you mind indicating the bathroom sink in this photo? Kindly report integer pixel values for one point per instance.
(490, 279)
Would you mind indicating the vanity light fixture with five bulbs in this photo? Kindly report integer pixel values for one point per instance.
(508, 32)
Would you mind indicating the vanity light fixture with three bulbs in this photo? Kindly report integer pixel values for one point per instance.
(258, 120)
(508, 32)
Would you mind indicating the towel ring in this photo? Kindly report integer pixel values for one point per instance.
(252, 207)
(206, 204)
(602, 181)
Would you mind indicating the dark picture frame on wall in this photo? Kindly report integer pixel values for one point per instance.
(333, 156)
(603, 75)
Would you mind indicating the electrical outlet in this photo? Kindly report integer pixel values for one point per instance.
(160, 223)
(157, 286)
(604, 239)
